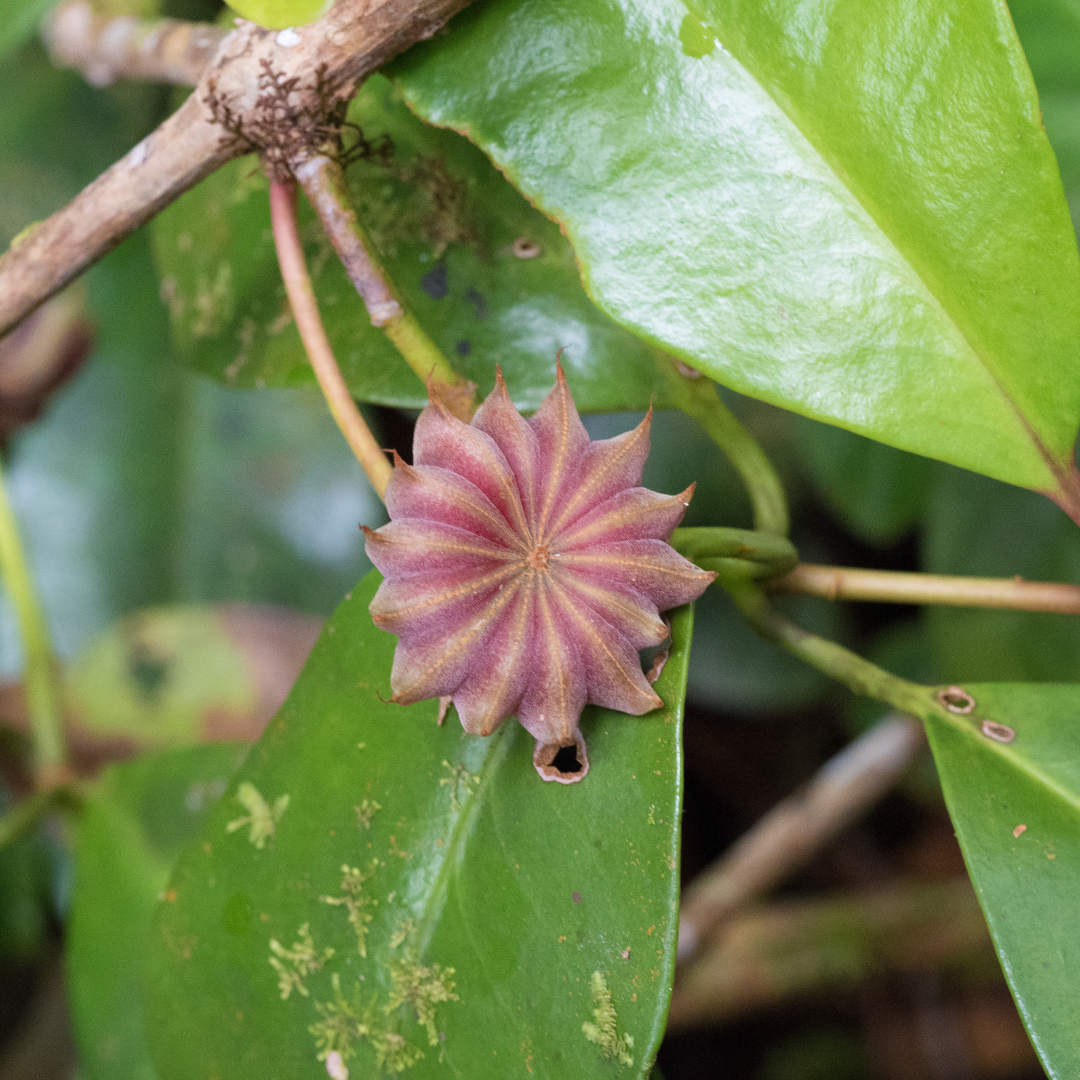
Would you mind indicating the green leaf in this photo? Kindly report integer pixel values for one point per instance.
(978, 527)
(18, 21)
(852, 214)
(137, 819)
(525, 889)
(446, 225)
(279, 14)
(1016, 809)
(878, 493)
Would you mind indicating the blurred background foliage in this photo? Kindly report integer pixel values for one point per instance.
(147, 484)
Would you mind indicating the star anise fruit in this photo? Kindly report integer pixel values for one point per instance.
(525, 567)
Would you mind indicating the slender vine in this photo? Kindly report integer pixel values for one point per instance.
(696, 395)
(323, 362)
(40, 666)
(323, 181)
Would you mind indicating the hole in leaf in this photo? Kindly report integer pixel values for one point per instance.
(998, 732)
(956, 700)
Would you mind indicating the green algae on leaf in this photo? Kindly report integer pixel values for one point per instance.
(261, 818)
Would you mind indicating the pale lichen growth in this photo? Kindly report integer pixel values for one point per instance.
(366, 811)
(347, 1021)
(295, 964)
(262, 817)
(354, 901)
(458, 781)
(605, 1031)
(421, 988)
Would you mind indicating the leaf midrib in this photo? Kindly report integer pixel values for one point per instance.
(1021, 764)
(434, 901)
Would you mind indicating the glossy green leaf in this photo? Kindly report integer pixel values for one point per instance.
(1016, 808)
(279, 14)
(137, 819)
(469, 861)
(876, 491)
(979, 527)
(850, 212)
(447, 226)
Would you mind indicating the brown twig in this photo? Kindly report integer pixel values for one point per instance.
(791, 949)
(107, 47)
(896, 587)
(323, 181)
(796, 829)
(327, 59)
(290, 254)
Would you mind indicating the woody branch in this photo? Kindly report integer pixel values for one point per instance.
(225, 117)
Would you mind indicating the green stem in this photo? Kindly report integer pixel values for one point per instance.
(23, 816)
(834, 660)
(736, 553)
(697, 397)
(41, 669)
(324, 184)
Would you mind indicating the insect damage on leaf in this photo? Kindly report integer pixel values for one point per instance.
(260, 816)
(354, 901)
(605, 1031)
(295, 964)
(524, 567)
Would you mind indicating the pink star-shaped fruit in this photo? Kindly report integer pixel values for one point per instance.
(525, 567)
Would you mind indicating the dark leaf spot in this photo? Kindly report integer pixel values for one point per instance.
(576, 897)
(435, 282)
(148, 672)
(477, 300)
(463, 348)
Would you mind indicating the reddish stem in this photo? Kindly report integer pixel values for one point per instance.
(290, 255)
